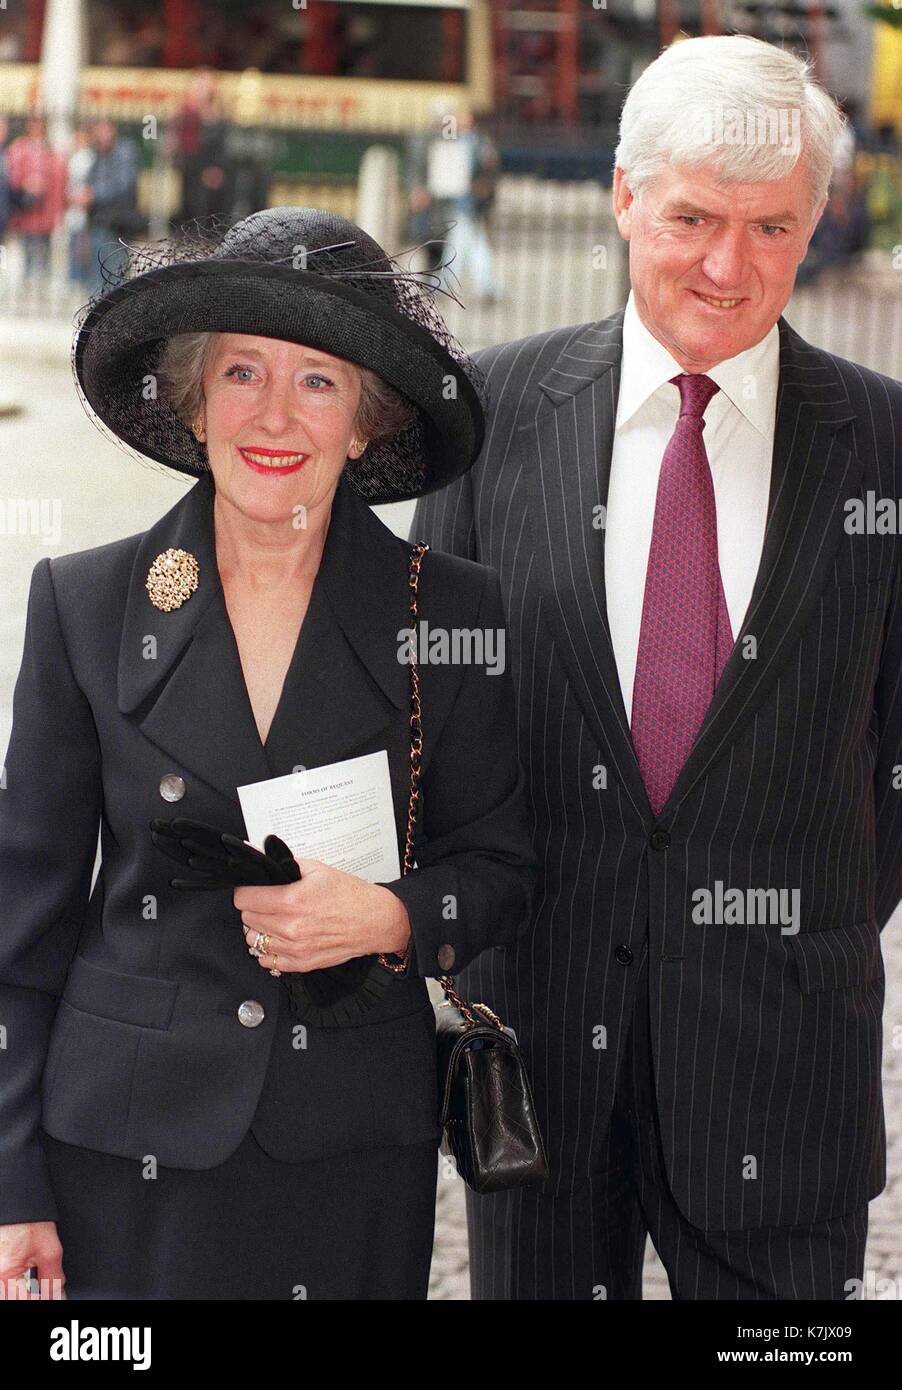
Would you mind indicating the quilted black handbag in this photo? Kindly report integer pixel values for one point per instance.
(486, 1107)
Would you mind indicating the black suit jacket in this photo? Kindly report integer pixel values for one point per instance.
(767, 1046)
(121, 1012)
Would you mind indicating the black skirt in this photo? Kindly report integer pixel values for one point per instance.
(355, 1226)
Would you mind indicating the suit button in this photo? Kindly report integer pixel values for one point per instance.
(445, 956)
(623, 955)
(659, 839)
(172, 787)
(251, 1013)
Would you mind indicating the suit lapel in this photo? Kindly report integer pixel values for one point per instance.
(180, 673)
(566, 453)
(567, 463)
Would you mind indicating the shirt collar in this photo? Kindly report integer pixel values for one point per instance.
(646, 366)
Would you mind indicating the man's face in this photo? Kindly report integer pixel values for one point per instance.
(692, 240)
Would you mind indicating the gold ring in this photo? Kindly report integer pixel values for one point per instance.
(274, 971)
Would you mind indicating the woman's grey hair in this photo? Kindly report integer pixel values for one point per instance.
(745, 107)
(381, 413)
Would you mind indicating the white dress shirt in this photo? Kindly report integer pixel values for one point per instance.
(739, 438)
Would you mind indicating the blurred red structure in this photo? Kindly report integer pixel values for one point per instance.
(562, 61)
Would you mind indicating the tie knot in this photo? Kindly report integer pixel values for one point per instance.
(695, 393)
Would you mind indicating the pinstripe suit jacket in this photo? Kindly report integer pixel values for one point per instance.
(767, 1045)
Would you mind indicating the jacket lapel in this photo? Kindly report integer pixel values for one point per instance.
(180, 673)
(812, 475)
(566, 454)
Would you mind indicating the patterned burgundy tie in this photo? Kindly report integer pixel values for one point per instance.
(685, 637)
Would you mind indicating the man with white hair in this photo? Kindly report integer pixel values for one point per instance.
(684, 504)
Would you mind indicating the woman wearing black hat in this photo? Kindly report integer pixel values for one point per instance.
(231, 1093)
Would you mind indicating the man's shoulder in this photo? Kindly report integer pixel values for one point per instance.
(864, 385)
(453, 588)
(528, 359)
(869, 408)
(454, 579)
(876, 435)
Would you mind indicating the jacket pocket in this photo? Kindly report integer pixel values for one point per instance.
(837, 958)
(859, 599)
(143, 1000)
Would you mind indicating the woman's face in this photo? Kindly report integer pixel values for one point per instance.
(279, 421)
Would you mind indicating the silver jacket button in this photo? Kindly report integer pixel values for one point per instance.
(251, 1013)
(172, 787)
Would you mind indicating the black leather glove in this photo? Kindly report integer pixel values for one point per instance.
(219, 859)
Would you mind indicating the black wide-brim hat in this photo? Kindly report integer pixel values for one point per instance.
(298, 274)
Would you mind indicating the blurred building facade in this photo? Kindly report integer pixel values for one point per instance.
(230, 105)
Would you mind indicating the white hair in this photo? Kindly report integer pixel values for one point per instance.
(746, 108)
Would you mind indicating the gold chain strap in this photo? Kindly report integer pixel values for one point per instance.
(399, 965)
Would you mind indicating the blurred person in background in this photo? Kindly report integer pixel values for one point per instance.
(37, 185)
(109, 195)
(80, 163)
(197, 141)
(5, 204)
(484, 185)
(451, 177)
(426, 214)
(460, 165)
(844, 230)
(842, 234)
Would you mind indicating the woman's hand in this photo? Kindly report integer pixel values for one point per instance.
(28, 1243)
(327, 917)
